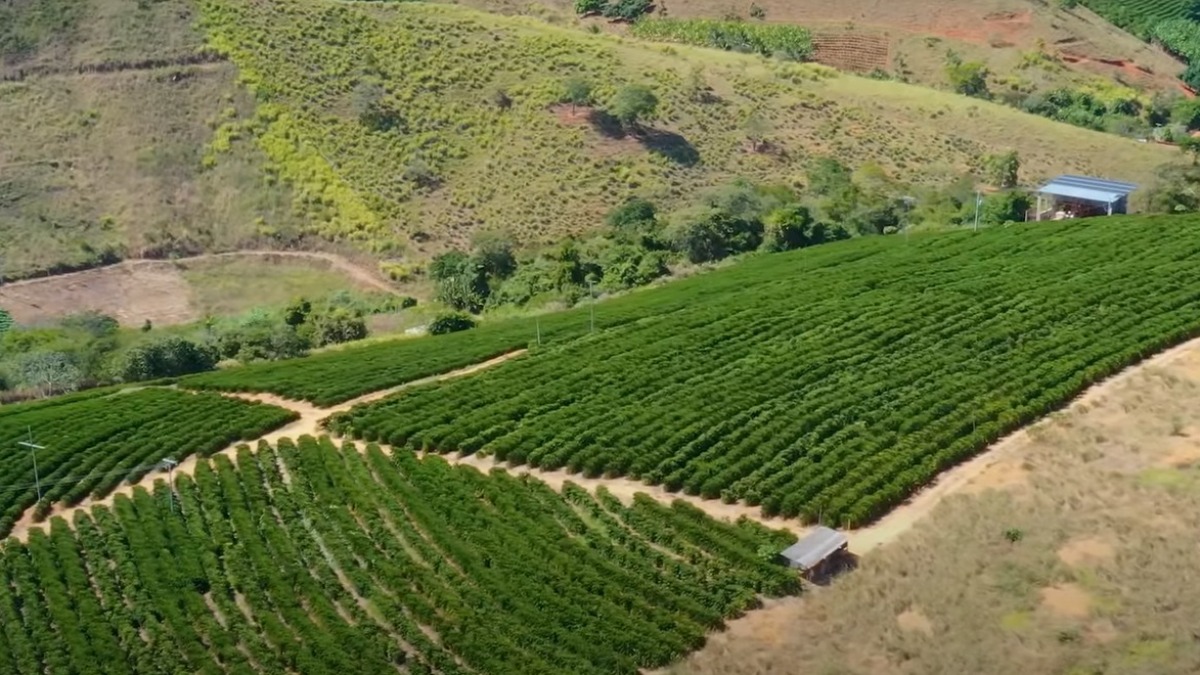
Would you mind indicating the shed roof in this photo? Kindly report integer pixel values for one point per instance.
(1088, 189)
(816, 546)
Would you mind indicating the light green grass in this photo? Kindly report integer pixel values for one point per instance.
(227, 286)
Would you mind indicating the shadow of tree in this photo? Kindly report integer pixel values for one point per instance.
(666, 143)
(606, 124)
(670, 145)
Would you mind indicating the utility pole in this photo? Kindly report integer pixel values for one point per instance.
(33, 448)
(537, 323)
(170, 463)
(592, 304)
(978, 203)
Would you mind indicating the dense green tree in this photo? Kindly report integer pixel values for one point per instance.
(297, 312)
(631, 215)
(705, 234)
(790, 227)
(1191, 146)
(447, 265)
(1187, 113)
(493, 254)
(1002, 169)
(1176, 190)
(632, 104)
(968, 77)
(450, 323)
(337, 325)
(166, 357)
(584, 7)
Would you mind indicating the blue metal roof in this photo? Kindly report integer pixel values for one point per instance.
(1088, 189)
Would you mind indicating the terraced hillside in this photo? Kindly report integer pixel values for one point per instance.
(312, 560)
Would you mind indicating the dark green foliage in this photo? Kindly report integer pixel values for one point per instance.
(335, 326)
(1003, 170)
(1191, 77)
(779, 40)
(626, 10)
(6, 320)
(968, 77)
(1080, 108)
(1176, 190)
(631, 215)
(585, 7)
(450, 323)
(96, 440)
(706, 234)
(166, 357)
(834, 380)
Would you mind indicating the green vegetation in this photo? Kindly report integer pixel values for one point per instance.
(1175, 24)
(779, 40)
(26, 25)
(93, 443)
(260, 569)
(830, 382)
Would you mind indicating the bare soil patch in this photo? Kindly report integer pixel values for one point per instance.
(1086, 551)
(912, 620)
(1067, 600)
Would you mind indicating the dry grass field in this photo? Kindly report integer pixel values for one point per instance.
(1077, 555)
(182, 291)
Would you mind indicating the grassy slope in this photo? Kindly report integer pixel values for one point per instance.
(542, 173)
(113, 160)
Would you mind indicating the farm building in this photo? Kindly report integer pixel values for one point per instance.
(815, 551)
(1082, 197)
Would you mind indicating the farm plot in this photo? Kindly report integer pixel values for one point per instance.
(93, 443)
(833, 382)
(305, 559)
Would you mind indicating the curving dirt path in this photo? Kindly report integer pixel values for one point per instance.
(862, 540)
(310, 423)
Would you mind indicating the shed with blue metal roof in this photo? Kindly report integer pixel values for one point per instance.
(1081, 196)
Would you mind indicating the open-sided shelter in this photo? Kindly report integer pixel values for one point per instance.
(1082, 197)
(811, 553)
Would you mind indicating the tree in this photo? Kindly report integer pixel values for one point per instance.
(297, 313)
(1186, 112)
(586, 7)
(367, 102)
(757, 128)
(452, 322)
(166, 357)
(92, 323)
(447, 265)
(577, 91)
(1002, 169)
(1191, 76)
(336, 326)
(1191, 145)
(49, 373)
(705, 233)
(631, 215)
(790, 227)
(968, 78)
(494, 254)
(827, 176)
(633, 103)
(1176, 190)
(627, 10)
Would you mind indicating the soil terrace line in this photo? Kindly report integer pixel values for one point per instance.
(862, 540)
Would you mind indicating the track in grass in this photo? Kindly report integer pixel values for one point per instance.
(313, 560)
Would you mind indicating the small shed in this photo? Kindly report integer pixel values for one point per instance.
(1082, 197)
(811, 553)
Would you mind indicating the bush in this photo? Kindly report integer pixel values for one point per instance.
(167, 357)
(789, 42)
(452, 322)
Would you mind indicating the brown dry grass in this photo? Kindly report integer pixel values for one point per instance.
(1101, 581)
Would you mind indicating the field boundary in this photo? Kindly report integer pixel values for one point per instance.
(862, 540)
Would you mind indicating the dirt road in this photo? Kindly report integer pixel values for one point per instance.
(862, 541)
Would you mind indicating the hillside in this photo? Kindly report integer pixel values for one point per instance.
(154, 160)
(109, 107)
(909, 38)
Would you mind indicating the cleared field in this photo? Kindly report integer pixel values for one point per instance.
(831, 383)
(1106, 499)
(186, 290)
(313, 560)
(95, 441)
(423, 122)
